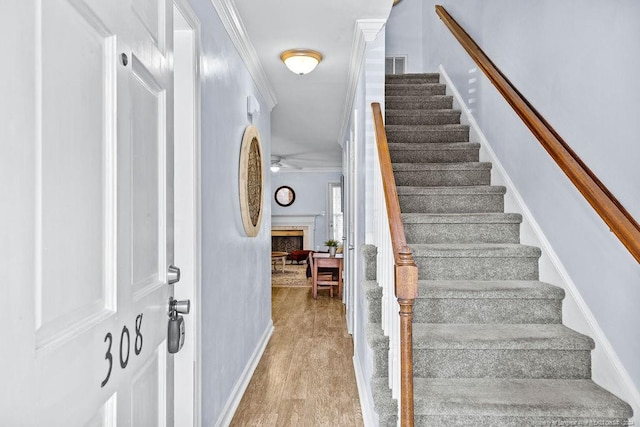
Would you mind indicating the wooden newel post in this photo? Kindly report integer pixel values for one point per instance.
(406, 282)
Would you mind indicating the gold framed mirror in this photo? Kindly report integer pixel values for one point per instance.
(251, 181)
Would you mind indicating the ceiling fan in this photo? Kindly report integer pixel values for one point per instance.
(279, 162)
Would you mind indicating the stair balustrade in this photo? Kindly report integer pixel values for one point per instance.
(619, 220)
(397, 274)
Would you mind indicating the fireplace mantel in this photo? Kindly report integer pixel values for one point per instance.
(306, 223)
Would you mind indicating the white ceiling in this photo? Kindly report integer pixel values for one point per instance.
(307, 120)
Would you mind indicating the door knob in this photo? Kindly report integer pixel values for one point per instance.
(182, 307)
(173, 274)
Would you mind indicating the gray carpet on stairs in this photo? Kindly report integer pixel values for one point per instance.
(489, 345)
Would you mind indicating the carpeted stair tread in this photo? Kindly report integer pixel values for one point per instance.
(373, 293)
(375, 336)
(390, 112)
(476, 261)
(418, 167)
(458, 218)
(547, 398)
(450, 199)
(494, 227)
(434, 152)
(498, 336)
(442, 174)
(422, 117)
(386, 405)
(423, 89)
(436, 102)
(413, 77)
(412, 146)
(430, 134)
(488, 302)
(488, 289)
(465, 190)
(379, 344)
(416, 98)
(474, 250)
(423, 128)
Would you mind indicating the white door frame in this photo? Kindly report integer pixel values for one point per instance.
(351, 206)
(187, 363)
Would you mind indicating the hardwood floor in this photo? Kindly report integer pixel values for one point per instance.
(305, 377)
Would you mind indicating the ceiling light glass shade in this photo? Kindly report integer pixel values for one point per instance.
(275, 166)
(301, 61)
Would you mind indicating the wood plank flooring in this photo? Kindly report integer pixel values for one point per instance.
(305, 377)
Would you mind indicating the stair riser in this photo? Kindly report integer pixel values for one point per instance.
(493, 268)
(413, 79)
(487, 311)
(452, 203)
(426, 136)
(462, 233)
(414, 90)
(422, 104)
(447, 178)
(419, 118)
(529, 364)
(435, 156)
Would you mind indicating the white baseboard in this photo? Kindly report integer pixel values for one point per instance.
(369, 415)
(607, 369)
(230, 407)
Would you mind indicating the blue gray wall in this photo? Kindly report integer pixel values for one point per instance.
(576, 61)
(405, 23)
(312, 196)
(236, 300)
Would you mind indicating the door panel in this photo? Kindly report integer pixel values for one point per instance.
(89, 237)
(153, 15)
(148, 181)
(74, 203)
(148, 391)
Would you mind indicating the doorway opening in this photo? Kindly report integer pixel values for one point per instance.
(336, 223)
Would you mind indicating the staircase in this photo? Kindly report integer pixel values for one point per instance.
(489, 345)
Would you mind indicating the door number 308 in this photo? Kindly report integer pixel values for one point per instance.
(125, 347)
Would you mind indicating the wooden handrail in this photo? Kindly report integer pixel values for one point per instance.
(621, 223)
(406, 271)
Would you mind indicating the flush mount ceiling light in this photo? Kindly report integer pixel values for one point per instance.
(275, 165)
(301, 61)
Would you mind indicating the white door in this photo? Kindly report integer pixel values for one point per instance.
(86, 235)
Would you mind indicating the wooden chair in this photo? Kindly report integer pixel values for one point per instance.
(325, 279)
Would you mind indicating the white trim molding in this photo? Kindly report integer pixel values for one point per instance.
(369, 415)
(230, 407)
(232, 22)
(607, 369)
(365, 30)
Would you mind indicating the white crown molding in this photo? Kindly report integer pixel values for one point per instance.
(365, 30)
(370, 28)
(230, 18)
